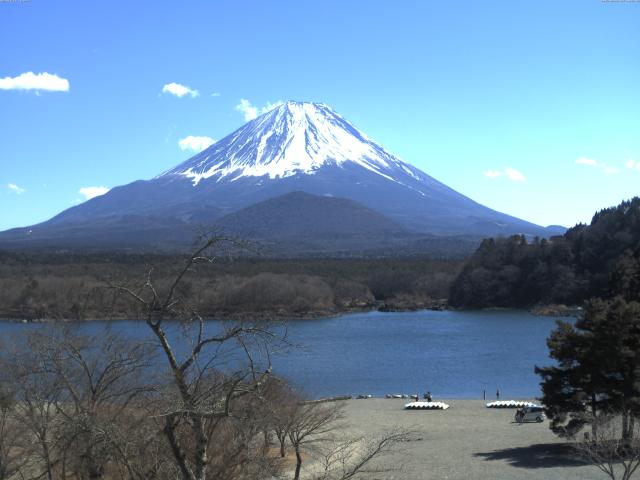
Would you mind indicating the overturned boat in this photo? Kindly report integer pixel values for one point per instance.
(509, 404)
(426, 406)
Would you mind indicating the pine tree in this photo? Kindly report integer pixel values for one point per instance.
(598, 368)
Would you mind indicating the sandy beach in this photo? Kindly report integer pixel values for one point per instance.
(468, 441)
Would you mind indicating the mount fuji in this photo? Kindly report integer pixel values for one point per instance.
(297, 147)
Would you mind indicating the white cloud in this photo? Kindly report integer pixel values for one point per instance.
(216, 94)
(270, 106)
(587, 161)
(250, 111)
(197, 144)
(179, 90)
(91, 192)
(510, 173)
(603, 167)
(492, 173)
(632, 165)
(15, 188)
(35, 81)
(515, 175)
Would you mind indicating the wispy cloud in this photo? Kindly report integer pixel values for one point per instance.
(632, 165)
(492, 173)
(270, 106)
(197, 144)
(91, 192)
(603, 167)
(179, 90)
(587, 161)
(251, 111)
(35, 81)
(13, 188)
(509, 172)
(216, 94)
(515, 175)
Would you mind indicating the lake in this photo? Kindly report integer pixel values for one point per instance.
(453, 354)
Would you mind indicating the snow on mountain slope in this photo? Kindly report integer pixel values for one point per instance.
(293, 138)
(296, 147)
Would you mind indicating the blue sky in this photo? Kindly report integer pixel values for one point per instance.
(531, 108)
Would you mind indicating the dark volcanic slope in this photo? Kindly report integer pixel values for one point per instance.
(300, 214)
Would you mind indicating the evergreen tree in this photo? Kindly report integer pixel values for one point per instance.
(598, 260)
(598, 368)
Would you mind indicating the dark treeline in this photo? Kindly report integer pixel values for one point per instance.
(76, 286)
(597, 260)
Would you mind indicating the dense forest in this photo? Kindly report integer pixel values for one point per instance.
(78, 286)
(601, 259)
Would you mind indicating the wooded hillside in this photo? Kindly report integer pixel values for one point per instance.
(588, 260)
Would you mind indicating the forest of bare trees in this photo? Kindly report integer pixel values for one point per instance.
(73, 286)
(198, 405)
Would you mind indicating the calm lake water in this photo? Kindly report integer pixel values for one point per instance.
(452, 354)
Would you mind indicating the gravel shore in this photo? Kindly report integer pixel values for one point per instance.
(468, 441)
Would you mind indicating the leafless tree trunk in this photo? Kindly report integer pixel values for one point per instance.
(310, 424)
(359, 458)
(77, 400)
(36, 411)
(316, 429)
(611, 449)
(279, 404)
(13, 454)
(99, 407)
(199, 405)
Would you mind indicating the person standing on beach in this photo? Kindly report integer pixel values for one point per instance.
(498, 394)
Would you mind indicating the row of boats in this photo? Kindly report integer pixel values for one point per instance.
(417, 405)
(431, 405)
(426, 406)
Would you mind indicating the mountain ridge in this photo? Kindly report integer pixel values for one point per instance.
(295, 147)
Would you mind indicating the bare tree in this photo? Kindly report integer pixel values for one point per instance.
(359, 457)
(279, 404)
(101, 379)
(316, 429)
(36, 412)
(13, 453)
(311, 424)
(612, 447)
(99, 406)
(85, 407)
(78, 401)
(203, 399)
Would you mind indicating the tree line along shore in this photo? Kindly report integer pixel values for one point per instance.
(543, 275)
(62, 286)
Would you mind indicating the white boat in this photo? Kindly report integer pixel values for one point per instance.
(426, 406)
(509, 404)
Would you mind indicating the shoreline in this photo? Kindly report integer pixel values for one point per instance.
(280, 315)
(440, 305)
(445, 399)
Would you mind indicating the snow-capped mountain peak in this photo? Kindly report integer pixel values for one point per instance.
(292, 138)
(271, 178)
